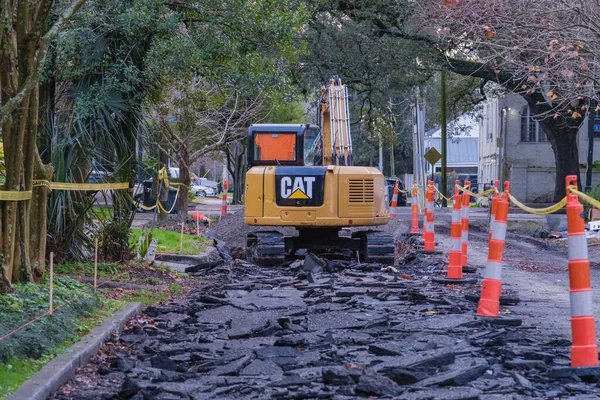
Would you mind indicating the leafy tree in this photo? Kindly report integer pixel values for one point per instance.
(99, 80)
(25, 36)
(203, 118)
(545, 51)
(505, 42)
(228, 59)
(349, 40)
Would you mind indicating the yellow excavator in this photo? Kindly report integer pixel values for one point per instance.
(302, 176)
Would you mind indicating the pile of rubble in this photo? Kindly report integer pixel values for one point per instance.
(334, 330)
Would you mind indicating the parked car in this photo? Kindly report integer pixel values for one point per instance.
(203, 191)
(98, 177)
(390, 183)
(204, 182)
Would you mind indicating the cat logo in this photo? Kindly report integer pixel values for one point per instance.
(300, 188)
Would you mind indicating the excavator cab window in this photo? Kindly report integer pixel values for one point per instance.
(271, 146)
(313, 147)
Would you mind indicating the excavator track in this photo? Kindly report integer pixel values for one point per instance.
(265, 248)
(376, 247)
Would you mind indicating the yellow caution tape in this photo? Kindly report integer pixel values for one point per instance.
(137, 204)
(585, 197)
(88, 186)
(15, 195)
(172, 208)
(441, 195)
(484, 193)
(26, 195)
(163, 175)
(40, 182)
(539, 211)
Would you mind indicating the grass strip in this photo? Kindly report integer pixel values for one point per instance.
(168, 242)
(16, 368)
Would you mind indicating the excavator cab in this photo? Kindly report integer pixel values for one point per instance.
(301, 176)
(284, 145)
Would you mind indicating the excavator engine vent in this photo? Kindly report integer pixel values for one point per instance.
(361, 190)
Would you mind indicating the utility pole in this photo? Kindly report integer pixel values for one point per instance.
(392, 169)
(380, 152)
(419, 171)
(590, 158)
(443, 122)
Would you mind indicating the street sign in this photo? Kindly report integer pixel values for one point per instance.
(432, 156)
(596, 127)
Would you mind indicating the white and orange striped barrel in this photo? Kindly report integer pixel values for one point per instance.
(584, 351)
(394, 201)
(454, 262)
(495, 199)
(429, 227)
(224, 203)
(466, 202)
(415, 209)
(489, 302)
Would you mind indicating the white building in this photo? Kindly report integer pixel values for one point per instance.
(512, 147)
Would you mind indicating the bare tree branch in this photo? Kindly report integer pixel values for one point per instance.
(34, 77)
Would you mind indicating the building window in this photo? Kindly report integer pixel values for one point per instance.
(530, 128)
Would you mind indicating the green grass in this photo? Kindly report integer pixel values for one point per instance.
(175, 288)
(147, 296)
(15, 371)
(168, 242)
(105, 270)
(152, 280)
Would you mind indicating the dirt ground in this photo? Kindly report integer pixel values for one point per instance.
(535, 270)
(366, 330)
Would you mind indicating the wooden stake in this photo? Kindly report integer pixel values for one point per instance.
(197, 226)
(181, 238)
(51, 281)
(96, 265)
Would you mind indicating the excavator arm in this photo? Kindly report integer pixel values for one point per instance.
(335, 124)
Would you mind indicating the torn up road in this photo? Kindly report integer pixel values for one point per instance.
(336, 331)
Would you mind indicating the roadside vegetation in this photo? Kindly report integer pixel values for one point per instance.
(27, 351)
(169, 241)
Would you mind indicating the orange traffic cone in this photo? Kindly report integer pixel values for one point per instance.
(429, 227)
(584, 351)
(454, 262)
(489, 302)
(455, 270)
(466, 203)
(415, 210)
(493, 207)
(394, 201)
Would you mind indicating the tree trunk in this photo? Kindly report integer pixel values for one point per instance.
(183, 159)
(562, 134)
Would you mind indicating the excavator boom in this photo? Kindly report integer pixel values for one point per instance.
(335, 121)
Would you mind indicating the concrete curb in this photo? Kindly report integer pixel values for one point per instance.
(58, 371)
(201, 258)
